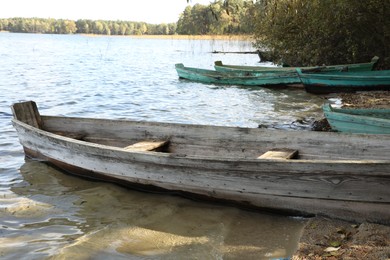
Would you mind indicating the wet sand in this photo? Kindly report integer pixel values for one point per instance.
(325, 238)
(371, 99)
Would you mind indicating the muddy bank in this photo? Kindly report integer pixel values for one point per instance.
(325, 238)
(372, 99)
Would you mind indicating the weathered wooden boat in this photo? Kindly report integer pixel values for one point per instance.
(331, 82)
(358, 120)
(332, 174)
(219, 66)
(236, 78)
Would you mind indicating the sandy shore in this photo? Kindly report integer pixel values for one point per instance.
(369, 99)
(330, 239)
(325, 238)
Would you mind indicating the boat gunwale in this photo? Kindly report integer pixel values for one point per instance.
(235, 74)
(329, 109)
(203, 158)
(219, 66)
(346, 75)
(325, 196)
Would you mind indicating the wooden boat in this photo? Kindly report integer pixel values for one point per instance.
(238, 78)
(332, 174)
(358, 120)
(219, 66)
(322, 83)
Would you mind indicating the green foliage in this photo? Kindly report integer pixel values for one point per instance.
(38, 25)
(315, 32)
(219, 17)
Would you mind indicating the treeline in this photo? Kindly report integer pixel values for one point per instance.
(297, 32)
(60, 26)
(219, 17)
(315, 32)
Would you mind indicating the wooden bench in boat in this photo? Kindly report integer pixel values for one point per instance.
(279, 153)
(151, 145)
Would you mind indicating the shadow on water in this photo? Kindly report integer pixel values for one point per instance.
(66, 216)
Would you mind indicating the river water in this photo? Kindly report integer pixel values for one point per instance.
(45, 213)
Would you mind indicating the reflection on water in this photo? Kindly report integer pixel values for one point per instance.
(69, 217)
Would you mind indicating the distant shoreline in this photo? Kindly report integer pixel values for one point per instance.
(174, 36)
(194, 37)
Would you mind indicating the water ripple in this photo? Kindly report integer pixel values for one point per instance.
(46, 213)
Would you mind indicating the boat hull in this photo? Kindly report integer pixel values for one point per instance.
(219, 66)
(352, 189)
(237, 78)
(368, 121)
(324, 83)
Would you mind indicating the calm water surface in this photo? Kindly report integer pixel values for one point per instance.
(47, 214)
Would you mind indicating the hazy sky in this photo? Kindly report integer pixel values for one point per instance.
(151, 11)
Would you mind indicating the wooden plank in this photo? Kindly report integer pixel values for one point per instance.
(77, 136)
(279, 153)
(323, 186)
(152, 145)
(28, 113)
(225, 142)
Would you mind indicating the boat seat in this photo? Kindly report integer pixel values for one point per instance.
(279, 153)
(150, 145)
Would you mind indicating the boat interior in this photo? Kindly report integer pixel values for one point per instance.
(213, 141)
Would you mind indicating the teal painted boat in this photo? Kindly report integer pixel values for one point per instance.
(358, 120)
(330, 82)
(236, 78)
(219, 66)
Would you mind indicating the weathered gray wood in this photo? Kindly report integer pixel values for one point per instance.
(28, 113)
(279, 153)
(223, 141)
(151, 145)
(345, 176)
(77, 136)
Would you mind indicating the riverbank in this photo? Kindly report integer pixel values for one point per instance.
(325, 238)
(172, 37)
(369, 99)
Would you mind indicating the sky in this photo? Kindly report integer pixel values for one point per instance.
(150, 11)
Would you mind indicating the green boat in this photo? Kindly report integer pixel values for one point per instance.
(358, 120)
(236, 78)
(219, 66)
(330, 82)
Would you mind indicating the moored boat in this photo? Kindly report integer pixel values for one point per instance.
(358, 120)
(332, 174)
(323, 83)
(236, 78)
(219, 66)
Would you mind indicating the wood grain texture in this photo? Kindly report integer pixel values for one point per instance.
(279, 153)
(339, 175)
(28, 113)
(151, 145)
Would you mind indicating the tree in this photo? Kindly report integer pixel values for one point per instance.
(184, 23)
(315, 32)
(220, 17)
(83, 26)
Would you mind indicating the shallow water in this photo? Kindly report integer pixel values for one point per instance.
(46, 213)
